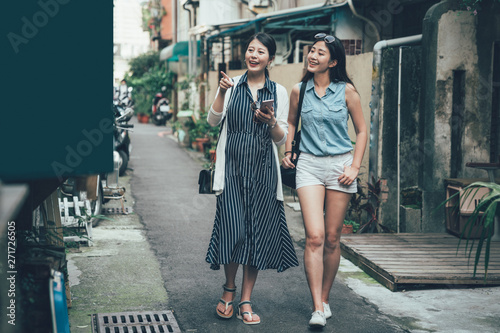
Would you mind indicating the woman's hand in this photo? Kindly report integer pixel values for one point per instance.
(286, 162)
(225, 83)
(350, 174)
(265, 116)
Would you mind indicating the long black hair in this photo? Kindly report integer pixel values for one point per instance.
(338, 73)
(266, 40)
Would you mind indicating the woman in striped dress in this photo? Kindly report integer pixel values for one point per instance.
(250, 227)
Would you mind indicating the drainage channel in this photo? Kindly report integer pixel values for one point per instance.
(135, 322)
(113, 211)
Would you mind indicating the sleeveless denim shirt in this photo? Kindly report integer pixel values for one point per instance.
(324, 121)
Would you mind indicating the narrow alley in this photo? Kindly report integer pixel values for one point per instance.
(154, 260)
(179, 222)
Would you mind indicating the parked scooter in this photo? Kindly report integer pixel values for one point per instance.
(123, 95)
(161, 108)
(121, 137)
(124, 106)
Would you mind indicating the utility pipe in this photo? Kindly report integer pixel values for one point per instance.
(375, 102)
(353, 10)
(190, 47)
(174, 22)
(289, 45)
(399, 140)
(189, 11)
(296, 55)
(192, 40)
(376, 92)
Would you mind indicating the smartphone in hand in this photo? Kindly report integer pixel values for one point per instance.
(266, 104)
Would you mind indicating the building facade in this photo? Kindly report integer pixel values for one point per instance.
(129, 38)
(426, 72)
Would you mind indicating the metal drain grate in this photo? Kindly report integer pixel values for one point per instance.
(111, 211)
(135, 322)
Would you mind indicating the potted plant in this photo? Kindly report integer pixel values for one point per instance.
(212, 151)
(200, 143)
(350, 227)
(199, 132)
(356, 204)
(210, 154)
(371, 206)
(484, 214)
(142, 117)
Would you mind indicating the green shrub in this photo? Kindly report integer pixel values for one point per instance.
(147, 76)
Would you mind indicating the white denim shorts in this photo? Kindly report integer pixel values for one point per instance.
(324, 170)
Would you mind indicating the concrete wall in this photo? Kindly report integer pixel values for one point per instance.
(359, 68)
(128, 37)
(454, 134)
(457, 50)
(166, 21)
(217, 11)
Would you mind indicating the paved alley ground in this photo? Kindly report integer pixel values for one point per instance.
(154, 259)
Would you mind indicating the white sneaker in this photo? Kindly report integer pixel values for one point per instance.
(318, 319)
(327, 311)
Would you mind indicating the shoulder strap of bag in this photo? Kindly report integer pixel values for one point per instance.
(299, 108)
(228, 102)
(223, 119)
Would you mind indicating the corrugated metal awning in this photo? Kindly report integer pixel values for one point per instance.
(171, 52)
(282, 15)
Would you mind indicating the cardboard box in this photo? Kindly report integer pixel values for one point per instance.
(460, 208)
(455, 224)
(467, 200)
(89, 184)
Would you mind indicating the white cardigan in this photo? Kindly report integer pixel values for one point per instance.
(214, 118)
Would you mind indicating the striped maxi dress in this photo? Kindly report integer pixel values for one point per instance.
(250, 225)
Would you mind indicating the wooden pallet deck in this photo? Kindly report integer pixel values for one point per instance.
(398, 261)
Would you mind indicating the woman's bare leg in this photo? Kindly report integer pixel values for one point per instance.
(312, 199)
(230, 271)
(249, 277)
(335, 208)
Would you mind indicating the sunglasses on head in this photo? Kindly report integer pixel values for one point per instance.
(326, 38)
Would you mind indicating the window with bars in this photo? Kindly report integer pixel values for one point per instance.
(352, 46)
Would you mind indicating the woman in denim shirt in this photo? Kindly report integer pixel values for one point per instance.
(326, 169)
